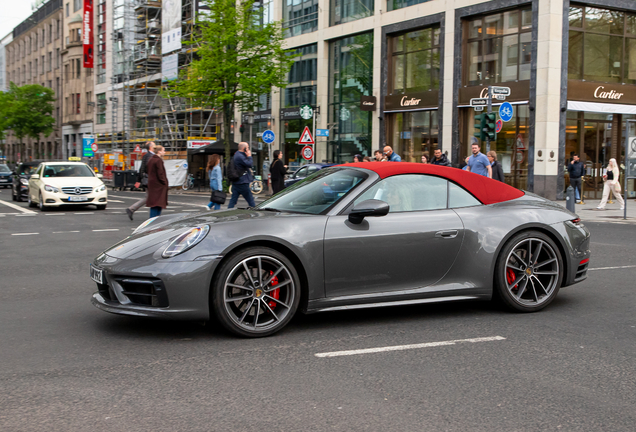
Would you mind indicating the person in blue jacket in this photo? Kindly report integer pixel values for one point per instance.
(243, 164)
(216, 178)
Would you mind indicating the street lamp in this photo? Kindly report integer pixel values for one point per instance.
(250, 121)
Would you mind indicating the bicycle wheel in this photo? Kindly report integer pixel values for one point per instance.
(257, 186)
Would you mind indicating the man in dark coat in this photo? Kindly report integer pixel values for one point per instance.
(143, 180)
(497, 170)
(278, 171)
(157, 197)
(440, 158)
(243, 165)
(576, 170)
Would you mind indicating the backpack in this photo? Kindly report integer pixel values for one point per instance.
(231, 172)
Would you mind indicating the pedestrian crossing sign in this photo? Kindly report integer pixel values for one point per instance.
(306, 137)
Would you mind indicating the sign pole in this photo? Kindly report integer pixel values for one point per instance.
(313, 158)
(489, 112)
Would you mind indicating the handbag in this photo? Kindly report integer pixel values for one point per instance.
(218, 197)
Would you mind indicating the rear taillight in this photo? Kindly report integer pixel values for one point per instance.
(576, 221)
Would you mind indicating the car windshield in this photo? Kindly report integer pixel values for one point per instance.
(70, 170)
(28, 169)
(317, 193)
(4, 169)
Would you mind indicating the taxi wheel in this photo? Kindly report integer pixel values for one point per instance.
(101, 207)
(29, 200)
(41, 203)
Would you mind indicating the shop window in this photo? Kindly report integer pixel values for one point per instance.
(602, 45)
(343, 11)
(300, 17)
(414, 134)
(498, 48)
(415, 61)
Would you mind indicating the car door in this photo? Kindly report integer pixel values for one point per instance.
(412, 247)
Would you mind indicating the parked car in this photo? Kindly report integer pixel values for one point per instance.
(22, 174)
(66, 183)
(5, 176)
(304, 172)
(350, 236)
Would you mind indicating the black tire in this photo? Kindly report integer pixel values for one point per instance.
(101, 207)
(260, 309)
(41, 203)
(529, 272)
(18, 195)
(29, 201)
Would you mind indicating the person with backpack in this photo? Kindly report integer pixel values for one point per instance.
(239, 172)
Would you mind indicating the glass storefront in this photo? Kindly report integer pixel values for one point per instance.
(414, 134)
(350, 77)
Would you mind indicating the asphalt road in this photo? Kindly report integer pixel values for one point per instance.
(66, 366)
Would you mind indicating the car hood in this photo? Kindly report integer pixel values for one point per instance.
(72, 181)
(157, 234)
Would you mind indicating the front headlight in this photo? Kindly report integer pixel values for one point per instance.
(100, 188)
(144, 225)
(186, 241)
(24, 181)
(50, 188)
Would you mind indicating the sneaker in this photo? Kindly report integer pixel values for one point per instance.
(129, 212)
(209, 208)
(622, 208)
(578, 202)
(600, 208)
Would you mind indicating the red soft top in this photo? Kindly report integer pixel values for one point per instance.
(486, 190)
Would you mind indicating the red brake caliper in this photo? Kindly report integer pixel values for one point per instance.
(511, 277)
(275, 293)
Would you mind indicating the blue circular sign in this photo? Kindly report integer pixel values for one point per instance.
(505, 111)
(268, 136)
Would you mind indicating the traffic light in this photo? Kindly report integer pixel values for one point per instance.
(480, 120)
(489, 124)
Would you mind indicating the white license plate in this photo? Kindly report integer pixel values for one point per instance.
(97, 274)
(77, 198)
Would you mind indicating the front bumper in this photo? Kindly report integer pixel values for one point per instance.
(52, 199)
(161, 289)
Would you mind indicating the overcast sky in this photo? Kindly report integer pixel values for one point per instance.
(13, 13)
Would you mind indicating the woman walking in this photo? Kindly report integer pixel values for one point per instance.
(216, 178)
(611, 184)
(157, 183)
(497, 170)
(278, 171)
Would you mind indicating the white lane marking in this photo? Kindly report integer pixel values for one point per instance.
(408, 347)
(88, 213)
(23, 234)
(64, 232)
(116, 208)
(109, 229)
(17, 207)
(26, 214)
(612, 268)
(55, 214)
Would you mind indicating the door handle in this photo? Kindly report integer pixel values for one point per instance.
(446, 234)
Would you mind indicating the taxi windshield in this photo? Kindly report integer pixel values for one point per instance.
(70, 170)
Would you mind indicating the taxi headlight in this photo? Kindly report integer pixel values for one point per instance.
(50, 188)
(100, 188)
(186, 241)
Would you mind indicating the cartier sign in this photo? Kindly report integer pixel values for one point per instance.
(603, 93)
(412, 101)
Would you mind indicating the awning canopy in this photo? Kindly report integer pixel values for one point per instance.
(601, 107)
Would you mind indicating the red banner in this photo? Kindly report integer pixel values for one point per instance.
(87, 33)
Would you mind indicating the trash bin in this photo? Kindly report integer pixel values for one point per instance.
(119, 179)
(131, 179)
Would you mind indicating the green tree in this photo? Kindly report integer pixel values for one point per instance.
(238, 58)
(27, 111)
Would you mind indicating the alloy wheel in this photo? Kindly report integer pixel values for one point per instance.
(532, 272)
(259, 293)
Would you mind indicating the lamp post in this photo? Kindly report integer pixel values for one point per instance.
(250, 121)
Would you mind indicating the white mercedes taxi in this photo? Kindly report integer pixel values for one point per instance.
(66, 183)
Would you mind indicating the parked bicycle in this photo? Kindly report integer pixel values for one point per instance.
(188, 183)
(256, 186)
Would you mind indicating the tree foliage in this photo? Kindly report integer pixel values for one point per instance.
(27, 111)
(238, 58)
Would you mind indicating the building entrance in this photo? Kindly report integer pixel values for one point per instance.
(597, 145)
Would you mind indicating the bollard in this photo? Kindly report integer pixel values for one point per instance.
(570, 199)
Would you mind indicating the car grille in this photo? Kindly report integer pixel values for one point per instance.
(141, 292)
(72, 190)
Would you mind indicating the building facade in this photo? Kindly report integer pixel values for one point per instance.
(34, 57)
(570, 67)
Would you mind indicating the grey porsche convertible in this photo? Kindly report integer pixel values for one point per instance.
(349, 236)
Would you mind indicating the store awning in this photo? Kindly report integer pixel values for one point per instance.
(217, 147)
(601, 107)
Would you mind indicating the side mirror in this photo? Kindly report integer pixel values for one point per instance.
(368, 208)
(99, 176)
(35, 176)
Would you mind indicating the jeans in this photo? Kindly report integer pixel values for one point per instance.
(155, 211)
(576, 184)
(215, 206)
(241, 189)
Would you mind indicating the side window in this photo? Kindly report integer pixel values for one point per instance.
(302, 173)
(40, 169)
(312, 169)
(409, 192)
(458, 197)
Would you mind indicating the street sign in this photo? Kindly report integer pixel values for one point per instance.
(306, 137)
(481, 102)
(137, 149)
(498, 126)
(94, 147)
(306, 112)
(478, 108)
(308, 152)
(268, 136)
(503, 91)
(322, 132)
(505, 111)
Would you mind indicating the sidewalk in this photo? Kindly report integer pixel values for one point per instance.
(612, 213)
